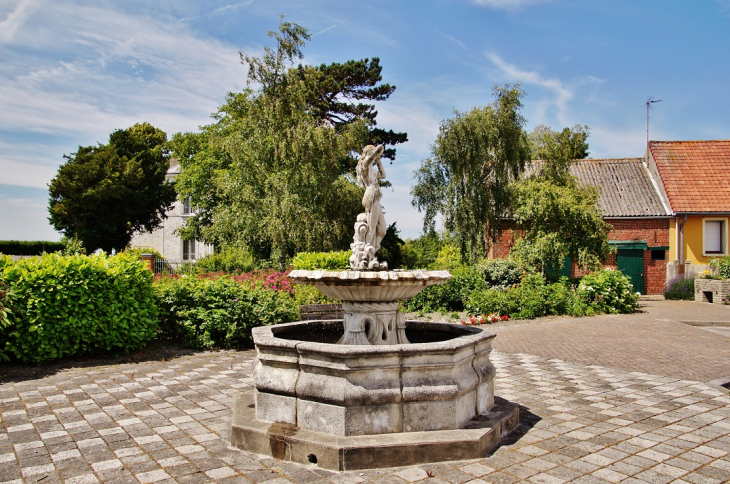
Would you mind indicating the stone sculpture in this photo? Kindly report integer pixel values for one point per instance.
(370, 226)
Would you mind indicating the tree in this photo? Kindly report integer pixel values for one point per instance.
(103, 194)
(555, 216)
(273, 173)
(332, 92)
(467, 177)
(554, 221)
(557, 151)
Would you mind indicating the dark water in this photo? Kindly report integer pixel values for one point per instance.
(331, 332)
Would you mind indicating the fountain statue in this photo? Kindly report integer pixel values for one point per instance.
(371, 390)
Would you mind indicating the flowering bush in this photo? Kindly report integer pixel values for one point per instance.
(608, 291)
(680, 288)
(486, 319)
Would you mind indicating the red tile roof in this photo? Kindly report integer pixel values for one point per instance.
(695, 174)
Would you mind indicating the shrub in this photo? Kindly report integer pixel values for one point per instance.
(305, 294)
(333, 261)
(450, 296)
(608, 291)
(231, 260)
(449, 257)
(501, 273)
(73, 305)
(29, 247)
(680, 288)
(723, 266)
(219, 312)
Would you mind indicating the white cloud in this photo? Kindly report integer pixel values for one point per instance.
(15, 19)
(561, 94)
(508, 4)
(128, 69)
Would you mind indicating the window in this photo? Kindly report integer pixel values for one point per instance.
(714, 236)
(188, 250)
(187, 208)
(658, 254)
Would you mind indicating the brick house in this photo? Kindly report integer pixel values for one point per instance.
(164, 239)
(630, 201)
(694, 179)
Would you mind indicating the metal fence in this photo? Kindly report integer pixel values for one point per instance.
(167, 267)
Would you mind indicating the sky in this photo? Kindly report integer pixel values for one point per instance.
(71, 72)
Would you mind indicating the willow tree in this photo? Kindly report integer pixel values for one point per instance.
(467, 177)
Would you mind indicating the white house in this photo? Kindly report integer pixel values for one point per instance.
(163, 238)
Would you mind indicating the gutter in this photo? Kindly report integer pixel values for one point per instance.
(680, 234)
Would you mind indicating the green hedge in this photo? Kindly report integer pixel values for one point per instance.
(333, 261)
(73, 305)
(450, 296)
(29, 247)
(220, 312)
(605, 291)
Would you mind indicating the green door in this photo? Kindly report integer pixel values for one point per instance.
(631, 263)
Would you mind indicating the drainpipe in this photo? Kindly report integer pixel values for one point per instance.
(681, 240)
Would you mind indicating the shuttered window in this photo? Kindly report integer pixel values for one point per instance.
(188, 250)
(714, 242)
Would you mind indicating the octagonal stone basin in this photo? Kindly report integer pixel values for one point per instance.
(441, 380)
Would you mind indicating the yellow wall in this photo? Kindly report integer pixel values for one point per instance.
(692, 239)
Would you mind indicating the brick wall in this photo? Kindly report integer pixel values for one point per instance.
(655, 232)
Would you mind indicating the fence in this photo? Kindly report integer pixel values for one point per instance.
(163, 266)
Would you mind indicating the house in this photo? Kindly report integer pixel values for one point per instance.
(694, 179)
(633, 204)
(163, 239)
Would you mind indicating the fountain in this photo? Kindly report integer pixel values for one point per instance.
(372, 390)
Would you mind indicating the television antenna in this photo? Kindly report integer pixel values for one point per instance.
(649, 101)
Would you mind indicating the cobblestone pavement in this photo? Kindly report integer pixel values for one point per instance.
(168, 421)
(656, 340)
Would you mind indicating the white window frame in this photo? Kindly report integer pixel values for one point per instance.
(723, 235)
(191, 244)
(188, 209)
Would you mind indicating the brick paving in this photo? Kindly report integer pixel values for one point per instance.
(652, 341)
(167, 421)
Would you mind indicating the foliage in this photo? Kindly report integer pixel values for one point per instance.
(608, 291)
(391, 248)
(333, 261)
(332, 92)
(557, 151)
(74, 305)
(72, 246)
(29, 247)
(450, 296)
(422, 252)
(219, 312)
(501, 273)
(449, 257)
(680, 288)
(466, 179)
(275, 169)
(231, 260)
(104, 194)
(722, 266)
(306, 294)
(137, 252)
(554, 221)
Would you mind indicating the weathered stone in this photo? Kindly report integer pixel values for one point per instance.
(373, 389)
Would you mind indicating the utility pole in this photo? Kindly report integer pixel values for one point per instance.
(649, 102)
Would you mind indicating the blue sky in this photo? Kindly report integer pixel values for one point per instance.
(71, 72)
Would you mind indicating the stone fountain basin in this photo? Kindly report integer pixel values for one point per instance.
(373, 286)
(442, 380)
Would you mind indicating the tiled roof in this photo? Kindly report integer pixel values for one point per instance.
(695, 174)
(626, 189)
